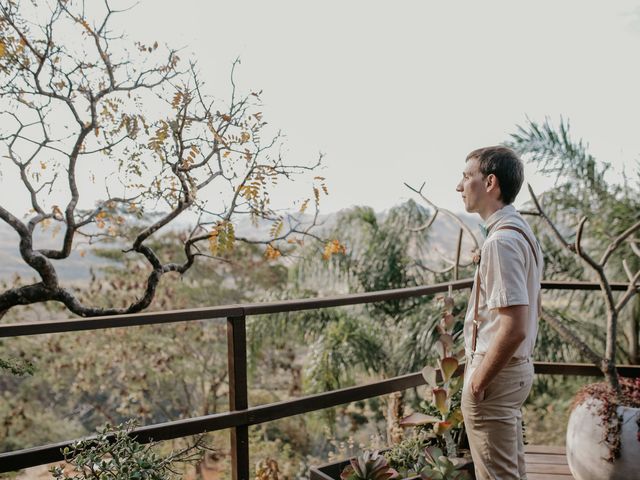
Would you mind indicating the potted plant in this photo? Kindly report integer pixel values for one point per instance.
(603, 434)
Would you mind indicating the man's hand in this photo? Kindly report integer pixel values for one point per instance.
(509, 336)
(476, 392)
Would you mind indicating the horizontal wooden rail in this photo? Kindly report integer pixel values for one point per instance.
(153, 318)
(264, 413)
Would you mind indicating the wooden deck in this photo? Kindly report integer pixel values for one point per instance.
(547, 463)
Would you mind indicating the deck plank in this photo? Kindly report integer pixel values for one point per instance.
(545, 458)
(549, 449)
(548, 468)
(546, 476)
(545, 462)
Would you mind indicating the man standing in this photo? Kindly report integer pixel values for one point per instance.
(502, 316)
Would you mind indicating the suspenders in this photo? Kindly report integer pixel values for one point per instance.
(476, 321)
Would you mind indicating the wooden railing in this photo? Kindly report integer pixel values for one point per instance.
(241, 416)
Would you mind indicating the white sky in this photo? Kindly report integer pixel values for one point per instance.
(402, 91)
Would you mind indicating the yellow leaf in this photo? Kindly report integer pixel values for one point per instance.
(3, 49)
(276, 229)
(448, 366)
(272, 253)
(213, 241)
(177, 98)
(440, 400)
(441, 428)
(43, 165)
(333, 247)
(455, 418)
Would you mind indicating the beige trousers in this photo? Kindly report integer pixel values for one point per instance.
(494, 423)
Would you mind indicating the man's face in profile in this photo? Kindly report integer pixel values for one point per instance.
(472, 186)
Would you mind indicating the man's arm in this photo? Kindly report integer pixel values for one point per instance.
(509, 336)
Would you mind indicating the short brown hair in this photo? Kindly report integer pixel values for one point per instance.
(505, 164)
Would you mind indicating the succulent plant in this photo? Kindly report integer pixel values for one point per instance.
(368, 466)
(440, 467)
(442, 384)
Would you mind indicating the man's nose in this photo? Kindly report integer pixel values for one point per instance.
(459, 187)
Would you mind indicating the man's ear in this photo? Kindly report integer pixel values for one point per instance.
(492, 182)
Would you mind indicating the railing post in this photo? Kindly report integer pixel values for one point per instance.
(237, 357)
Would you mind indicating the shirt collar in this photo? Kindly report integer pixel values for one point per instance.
(496, 217)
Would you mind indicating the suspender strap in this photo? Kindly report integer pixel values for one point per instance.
(526, 237)
(476, 320)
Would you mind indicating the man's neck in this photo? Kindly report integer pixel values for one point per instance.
(490, 209)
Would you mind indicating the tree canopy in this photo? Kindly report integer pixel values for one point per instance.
(86, 111)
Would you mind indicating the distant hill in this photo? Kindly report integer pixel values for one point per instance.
(76, 268)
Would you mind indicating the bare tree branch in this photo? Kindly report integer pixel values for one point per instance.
(617, 241)
(554, 229)
(447, 212)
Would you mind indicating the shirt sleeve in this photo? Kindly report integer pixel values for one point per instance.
(503, 272)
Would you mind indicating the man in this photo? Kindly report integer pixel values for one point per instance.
(502, 316)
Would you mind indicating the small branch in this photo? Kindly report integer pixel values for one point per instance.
(447, 212)
(627, 270)
(458, 249)
(631, 291)
(617, 241)
(432, 270)
(554, 229)
(602, 277)
(427, 225)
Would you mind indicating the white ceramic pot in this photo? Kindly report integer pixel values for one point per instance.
(587, 452)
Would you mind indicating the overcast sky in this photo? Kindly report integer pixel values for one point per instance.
(395, 92)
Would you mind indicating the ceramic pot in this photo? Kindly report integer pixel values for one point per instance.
(586, 451)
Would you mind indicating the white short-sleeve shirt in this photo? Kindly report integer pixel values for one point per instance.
(508, 276)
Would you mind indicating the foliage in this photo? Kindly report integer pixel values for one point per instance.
(86, 112)
(407, 456)
(113, 454)
(582, 189)
(152, 373)
(380, 254)
(368, 466)
(267, 470)
(17, 367)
